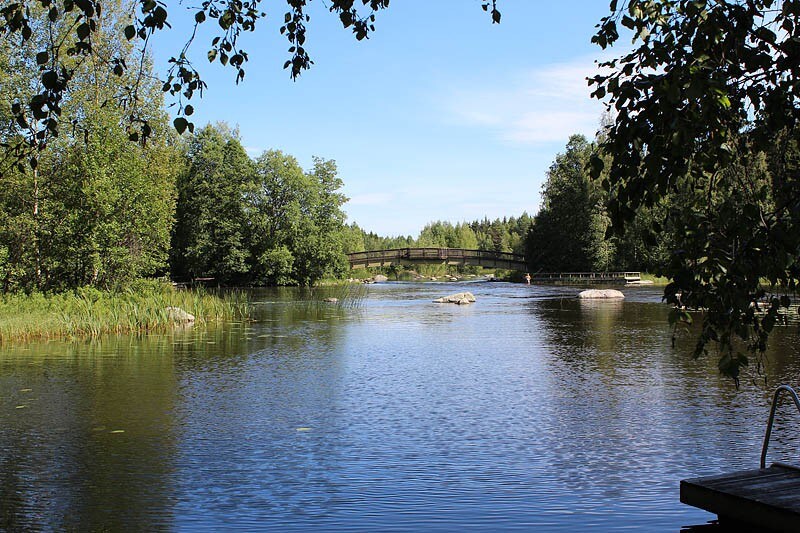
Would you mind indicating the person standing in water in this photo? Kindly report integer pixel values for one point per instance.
(527, 278)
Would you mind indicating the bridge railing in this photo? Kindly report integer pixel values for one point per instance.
(586, 275)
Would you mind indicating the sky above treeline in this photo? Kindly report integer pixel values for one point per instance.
(440, 115)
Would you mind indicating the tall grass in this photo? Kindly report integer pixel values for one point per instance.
(336, 294)
(657, 280)
(141, 307)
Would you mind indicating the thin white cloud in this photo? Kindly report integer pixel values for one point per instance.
(541, 105)
(377, 198)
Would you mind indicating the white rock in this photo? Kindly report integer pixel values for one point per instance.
(457, 298)
(601, 293)
(179, 315)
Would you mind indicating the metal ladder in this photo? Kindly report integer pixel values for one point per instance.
(778, 391)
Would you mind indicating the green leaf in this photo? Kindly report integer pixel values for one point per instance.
(83, 31)
(180, 124)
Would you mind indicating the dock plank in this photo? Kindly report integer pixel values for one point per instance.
(768, 498)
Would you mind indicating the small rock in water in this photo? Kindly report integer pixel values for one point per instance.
(459, 298)
(600, 294)
(379, 278)
(332, 300)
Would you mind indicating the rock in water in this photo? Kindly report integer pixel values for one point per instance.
(601, 294)
(380, 278)
(459, 298)
(177, 314)
(332, 300)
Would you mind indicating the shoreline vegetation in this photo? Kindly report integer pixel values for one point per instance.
(88, 312)
(144, 306)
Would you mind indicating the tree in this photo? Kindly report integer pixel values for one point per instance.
(297, 220)
(568, 232)
(707, 108)
(94, 209)
(211, 237)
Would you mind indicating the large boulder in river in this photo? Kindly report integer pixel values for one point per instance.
(595, 294)
(460, 298)
(379, 278)
(176, 314)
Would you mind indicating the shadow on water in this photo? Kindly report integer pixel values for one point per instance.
(95, 432)
(78, 419)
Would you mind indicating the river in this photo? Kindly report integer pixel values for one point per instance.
(528, 410)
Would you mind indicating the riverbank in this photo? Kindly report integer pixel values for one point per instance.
(657, 280)
(90, 312)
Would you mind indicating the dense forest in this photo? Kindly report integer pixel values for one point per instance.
(94, 208)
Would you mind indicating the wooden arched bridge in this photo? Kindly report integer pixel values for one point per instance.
(443, 256)
(483, 258)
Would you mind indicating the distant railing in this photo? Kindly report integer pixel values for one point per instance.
(422, 255)
(486, 258)
(587, 276)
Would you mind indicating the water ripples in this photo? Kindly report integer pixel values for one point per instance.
(526, 410)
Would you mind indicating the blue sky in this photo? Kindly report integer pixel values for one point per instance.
(440, 115)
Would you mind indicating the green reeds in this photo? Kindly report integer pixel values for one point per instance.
(342, 294)
(90, 312)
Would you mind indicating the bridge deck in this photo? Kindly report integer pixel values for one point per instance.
(450, 256)
(483, 258)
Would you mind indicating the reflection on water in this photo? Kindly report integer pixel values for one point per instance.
(527, 410)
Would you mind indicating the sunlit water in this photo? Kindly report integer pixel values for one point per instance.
(528, 410)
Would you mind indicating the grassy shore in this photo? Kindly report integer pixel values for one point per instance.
(657, 280)
(90, 312)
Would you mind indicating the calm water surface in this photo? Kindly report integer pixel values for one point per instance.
(528, 410)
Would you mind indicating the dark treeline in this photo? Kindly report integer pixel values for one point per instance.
(571, 230)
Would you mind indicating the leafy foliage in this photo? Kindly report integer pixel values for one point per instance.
(210, 237)
(707, 111)
(265, 222)
(297, 220)
(562, 237)
(96, 209)
(570, 231)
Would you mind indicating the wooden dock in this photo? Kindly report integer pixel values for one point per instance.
(584, 278)
(765, 498)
